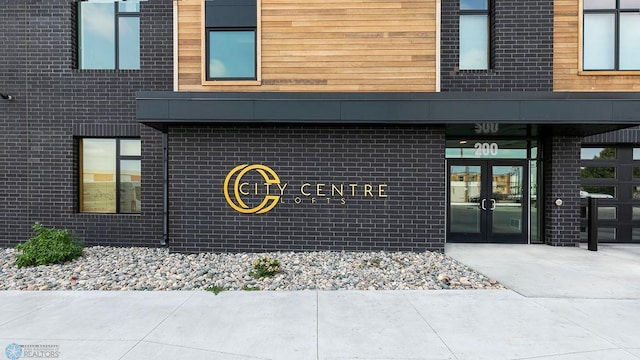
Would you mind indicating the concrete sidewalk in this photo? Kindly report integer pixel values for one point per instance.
(301, 325)
(612, 272)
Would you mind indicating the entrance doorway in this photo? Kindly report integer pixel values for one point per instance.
(488, 201)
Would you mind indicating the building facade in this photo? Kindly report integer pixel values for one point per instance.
(255, 125)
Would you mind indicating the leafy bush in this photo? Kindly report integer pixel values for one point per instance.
(264, 267)
(48, 246)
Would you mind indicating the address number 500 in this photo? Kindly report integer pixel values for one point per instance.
(486, 149)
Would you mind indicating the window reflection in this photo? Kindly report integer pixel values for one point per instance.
(611, 35)
(129, 43)
(474, 42)
(473, 4)
(103, 173)
(130, 192)
(598, 153)
(599, 44)
(98, 176)
(232, 54)
(630, 41)
(98, 23)
(97, 35)
(600, 4)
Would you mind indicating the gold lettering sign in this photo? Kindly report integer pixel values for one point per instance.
(269, 201)
(310, 192)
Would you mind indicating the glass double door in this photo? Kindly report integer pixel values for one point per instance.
(488, 201)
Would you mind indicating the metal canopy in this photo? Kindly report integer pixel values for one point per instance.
(562, 113)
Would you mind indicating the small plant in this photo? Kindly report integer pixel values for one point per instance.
(48, 246)
(215, 289)
(265, 267)
(246, 287)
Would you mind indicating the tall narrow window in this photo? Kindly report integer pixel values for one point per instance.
(110, 175)
(611, 34)
(474, 35)
(231, 28)
(109, 34)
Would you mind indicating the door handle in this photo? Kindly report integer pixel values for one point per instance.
(493, 204)
(482, 206)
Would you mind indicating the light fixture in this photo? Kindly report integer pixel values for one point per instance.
(6, 97)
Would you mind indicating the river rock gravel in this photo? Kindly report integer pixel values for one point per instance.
(111, 268)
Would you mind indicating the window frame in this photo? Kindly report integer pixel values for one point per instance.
(116, 18)
(118, 173)
(204, 80)
(616, 47)
(208, 32)
(475, 12)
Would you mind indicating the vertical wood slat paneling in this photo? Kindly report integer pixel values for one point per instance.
(567, 74)
(319, 45)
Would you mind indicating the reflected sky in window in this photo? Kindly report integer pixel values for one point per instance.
(232, 54)
(129, 42)
(630, 41)
(474, 42)
(97, 36)
(599, 46)
(473, 4)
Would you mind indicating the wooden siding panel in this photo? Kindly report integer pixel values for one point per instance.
(567, 75)
(315, 45)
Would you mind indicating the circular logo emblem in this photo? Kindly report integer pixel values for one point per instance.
(13, 351)
(270, 177)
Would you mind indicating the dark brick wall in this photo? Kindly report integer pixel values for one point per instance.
(409, 159)
(562, 181)
(55, 103)
(521, 51)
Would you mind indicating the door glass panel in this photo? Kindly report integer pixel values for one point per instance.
(506, 199)
(464, 196)
(533, 194)
(607, 213)
(606, 233)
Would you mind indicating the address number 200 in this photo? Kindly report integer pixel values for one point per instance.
(486, 149)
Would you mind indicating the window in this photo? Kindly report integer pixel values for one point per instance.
(231, 39)
(109, 34)
(592, 172)
(474, 35)
(110, 175)
(611, 34)
(608, 153)
(232, 54)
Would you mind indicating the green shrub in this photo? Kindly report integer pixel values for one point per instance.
(264, 267)
(48, 246)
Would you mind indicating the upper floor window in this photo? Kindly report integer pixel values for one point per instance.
(109, 34)
(611, 35)
(231, 38)
(110, 172)
(474, 35)
(232, 54)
